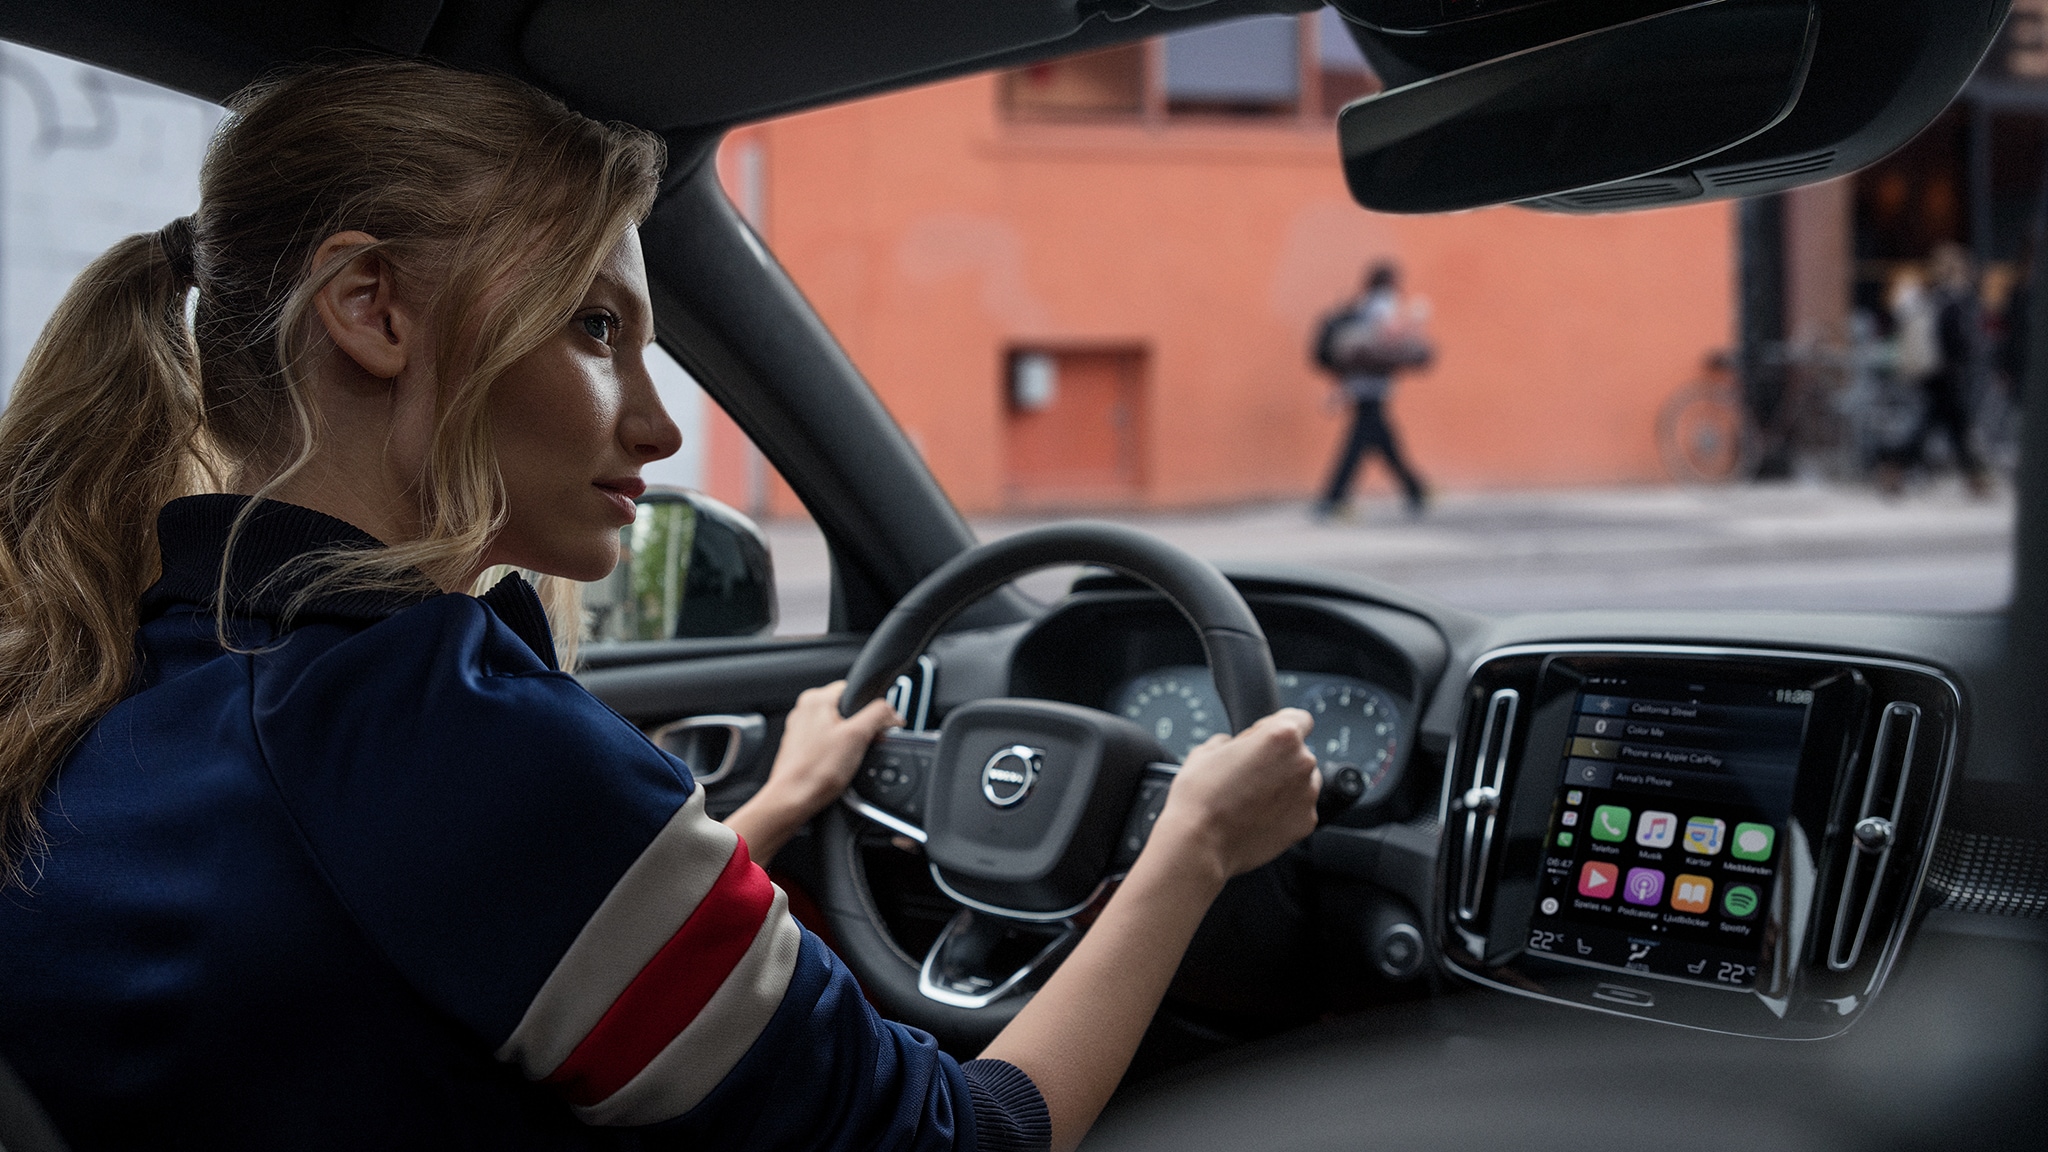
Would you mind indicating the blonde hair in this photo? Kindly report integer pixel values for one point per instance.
(494, 205)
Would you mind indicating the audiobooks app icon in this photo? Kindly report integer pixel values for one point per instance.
(1690, 893)
(1598, 880)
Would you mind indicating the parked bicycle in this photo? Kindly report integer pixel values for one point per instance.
(1837, 410)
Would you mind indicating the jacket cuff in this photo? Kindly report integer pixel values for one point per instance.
(1009, 1112)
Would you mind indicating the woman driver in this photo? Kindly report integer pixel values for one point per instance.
(309, 849)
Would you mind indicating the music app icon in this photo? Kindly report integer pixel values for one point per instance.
(1656, 829)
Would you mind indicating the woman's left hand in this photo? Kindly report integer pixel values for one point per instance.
(819, 754)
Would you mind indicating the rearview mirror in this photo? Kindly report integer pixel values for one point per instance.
(689, 566)
(1608, 105)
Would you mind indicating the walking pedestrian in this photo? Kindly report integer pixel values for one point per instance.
(1364, 344)
(1943, 371)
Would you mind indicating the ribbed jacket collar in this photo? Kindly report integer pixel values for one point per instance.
(192, 532)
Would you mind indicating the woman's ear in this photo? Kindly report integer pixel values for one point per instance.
(360, 307)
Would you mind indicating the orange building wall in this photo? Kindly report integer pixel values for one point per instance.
(933, 235)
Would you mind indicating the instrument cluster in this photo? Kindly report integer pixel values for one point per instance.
(1357, 723)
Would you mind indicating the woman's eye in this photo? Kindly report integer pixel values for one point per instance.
(600, 326)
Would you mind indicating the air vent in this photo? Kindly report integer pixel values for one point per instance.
(1481, 803)
(1876, 827)
(1770, 170)
(1627, 194)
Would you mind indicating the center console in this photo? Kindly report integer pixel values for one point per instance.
(1723, 838)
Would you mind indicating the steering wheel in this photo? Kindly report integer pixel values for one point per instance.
(1028, 810)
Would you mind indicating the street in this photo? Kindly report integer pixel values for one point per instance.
(1791, 546)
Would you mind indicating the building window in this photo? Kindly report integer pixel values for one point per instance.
(1261, 67)
(1341, 71)
(1246, 67)
(1106, 83)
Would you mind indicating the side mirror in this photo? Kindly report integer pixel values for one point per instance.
(689, 566)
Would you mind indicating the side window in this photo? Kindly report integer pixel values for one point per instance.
(86, 157)
(714, 512)
(89, 156)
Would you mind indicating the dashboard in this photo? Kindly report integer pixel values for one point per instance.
(1723, 820)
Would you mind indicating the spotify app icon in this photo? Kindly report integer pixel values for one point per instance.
(1740, 901)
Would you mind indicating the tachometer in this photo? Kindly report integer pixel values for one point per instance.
(1177, 704)
(1356, 725)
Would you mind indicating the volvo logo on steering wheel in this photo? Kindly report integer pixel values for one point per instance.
(1009, 774)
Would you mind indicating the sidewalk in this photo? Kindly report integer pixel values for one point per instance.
(1791, 546)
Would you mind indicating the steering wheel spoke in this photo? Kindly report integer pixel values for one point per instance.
(1145, 809)
(889, 786)
(977, 960)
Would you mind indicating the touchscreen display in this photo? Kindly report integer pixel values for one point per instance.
(1664, 837)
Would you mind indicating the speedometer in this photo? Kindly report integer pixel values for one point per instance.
(1177, 705)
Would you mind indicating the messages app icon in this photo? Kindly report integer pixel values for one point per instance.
(1610, 822)
(1753, 841)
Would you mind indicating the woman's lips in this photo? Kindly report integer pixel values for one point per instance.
(623, 491)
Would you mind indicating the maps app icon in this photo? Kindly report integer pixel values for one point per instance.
(1703, 835)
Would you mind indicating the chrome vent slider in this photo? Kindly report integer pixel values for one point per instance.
(1481, 800)
(1875, 829)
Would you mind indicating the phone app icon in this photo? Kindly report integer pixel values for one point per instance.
(1753, 841)
(1691, 893)
(1564, 839)
(1597, 880)
(1740, 901)
(1656, 829)
(1703, 835)
(1610, 822)
(1645, 886)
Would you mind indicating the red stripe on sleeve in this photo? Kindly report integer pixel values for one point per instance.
(674, 986)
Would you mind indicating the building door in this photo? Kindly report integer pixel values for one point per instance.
(1074, 433)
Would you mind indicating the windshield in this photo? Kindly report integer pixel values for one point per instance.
(1131, 284)
(1118, 284)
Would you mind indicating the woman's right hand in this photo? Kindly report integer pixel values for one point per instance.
(1240, 800)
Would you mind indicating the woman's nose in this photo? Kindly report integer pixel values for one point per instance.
(647, 432)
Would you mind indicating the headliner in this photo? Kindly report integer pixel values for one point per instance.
(680, 67)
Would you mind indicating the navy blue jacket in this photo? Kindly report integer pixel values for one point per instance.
(378, 875)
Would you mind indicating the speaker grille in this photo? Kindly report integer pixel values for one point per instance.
(1769, 170)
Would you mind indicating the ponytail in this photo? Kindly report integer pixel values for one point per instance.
(101, 432)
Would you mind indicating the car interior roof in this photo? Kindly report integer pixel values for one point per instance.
(671, 67)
